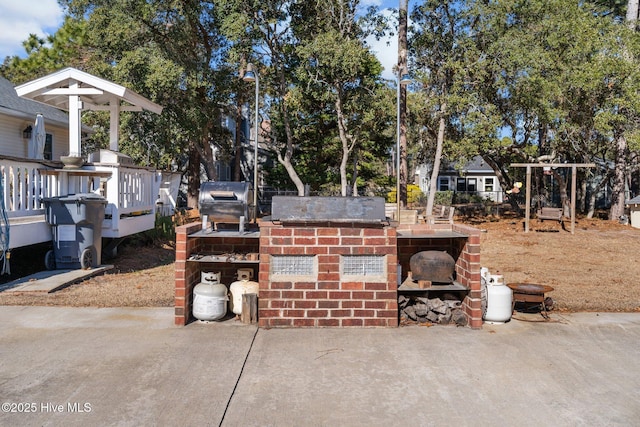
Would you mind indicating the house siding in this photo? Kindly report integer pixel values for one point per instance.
(14, 145)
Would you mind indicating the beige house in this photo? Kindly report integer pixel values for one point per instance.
(17, 122)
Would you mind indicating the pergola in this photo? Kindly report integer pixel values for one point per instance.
(574, 168)
(74, 90)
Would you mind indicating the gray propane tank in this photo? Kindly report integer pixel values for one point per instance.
(210, 298)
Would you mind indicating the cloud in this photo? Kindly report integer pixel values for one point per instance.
(367, 3)
(18, 19)
(386, 50)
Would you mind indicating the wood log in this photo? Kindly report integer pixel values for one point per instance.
(249, 313)
(459, 318)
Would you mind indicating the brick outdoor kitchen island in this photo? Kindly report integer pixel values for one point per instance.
(326, 262)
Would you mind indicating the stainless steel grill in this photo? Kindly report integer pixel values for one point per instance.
(225, 202)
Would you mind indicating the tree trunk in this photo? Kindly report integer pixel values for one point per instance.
(193, 176)
(402, 66)
(354, 179)
(565, 202)
(582, 196)
(285, 160)
(237, 147)
(436, 162)
(594, 195)
(288, 166)
(505, 182)
(346, 147)
(206, 157)
(632, 13)
(619, 179)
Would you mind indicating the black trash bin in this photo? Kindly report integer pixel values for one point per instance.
(76, 222)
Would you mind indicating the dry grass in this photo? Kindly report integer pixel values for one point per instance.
(595, 269)
(143, 276)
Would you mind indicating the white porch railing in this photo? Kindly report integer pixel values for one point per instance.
(131, 194)
(130, 191)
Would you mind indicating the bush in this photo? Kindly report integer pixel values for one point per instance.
(164, 230)
(414, 194)
(464, 198)
(444, 198)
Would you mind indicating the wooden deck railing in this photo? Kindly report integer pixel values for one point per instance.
(129, 190)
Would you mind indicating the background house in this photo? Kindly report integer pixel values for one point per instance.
(17, 117)
(475, 178)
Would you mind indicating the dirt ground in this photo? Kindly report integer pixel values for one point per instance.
(595, 269)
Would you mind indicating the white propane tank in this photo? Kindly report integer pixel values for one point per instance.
(499, 300)
(210, 298)
(243, 286)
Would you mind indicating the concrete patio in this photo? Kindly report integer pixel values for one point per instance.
(131, 367)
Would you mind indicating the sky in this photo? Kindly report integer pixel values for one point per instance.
(19, 18)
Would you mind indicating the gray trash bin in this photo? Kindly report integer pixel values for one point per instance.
(76, 222)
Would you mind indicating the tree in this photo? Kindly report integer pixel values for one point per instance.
(621, 151)
(527, 81)
(444, 57)
(340, 70)
(169, 51)
(403, 12)
(261, 30)
(65, 48)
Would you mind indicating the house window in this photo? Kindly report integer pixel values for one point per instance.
(461, 184)
(472, 185)
(443, 184)
(488, 184)
(48, 147)
(223, 170)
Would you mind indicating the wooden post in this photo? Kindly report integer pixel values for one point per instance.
(573, 167)
(527, 208)
(249, 309)
(574, 171)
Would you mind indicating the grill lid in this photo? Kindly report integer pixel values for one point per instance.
(338, 209)
(434, 266)
(225, 201)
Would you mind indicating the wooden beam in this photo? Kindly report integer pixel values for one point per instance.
(73, 91)
(553, 165)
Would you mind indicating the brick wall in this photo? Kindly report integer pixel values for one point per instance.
(327, 299)
(188, 273)
(468, 272)
(465, 250)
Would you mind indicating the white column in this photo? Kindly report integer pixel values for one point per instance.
(75, 110)
(114, 123)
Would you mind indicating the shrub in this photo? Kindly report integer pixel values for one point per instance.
(414, 194)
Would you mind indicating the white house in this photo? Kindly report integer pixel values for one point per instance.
(131, 191)
(474, 178)
(634, 211)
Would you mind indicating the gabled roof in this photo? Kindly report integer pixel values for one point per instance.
(11, 103)
(634, 201)
(476, 165)
(95, 93)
